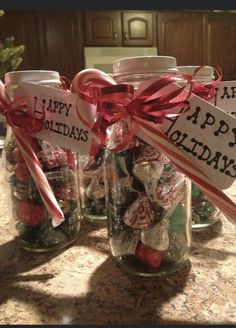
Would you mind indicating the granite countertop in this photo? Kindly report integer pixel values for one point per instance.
(83, 285)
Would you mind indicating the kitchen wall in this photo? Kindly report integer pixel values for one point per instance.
(55, 39)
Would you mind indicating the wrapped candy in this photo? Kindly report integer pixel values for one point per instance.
(157, 236)
(149, 172)
(139, 214)
(148, 206)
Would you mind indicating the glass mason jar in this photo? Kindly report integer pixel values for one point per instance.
(204, 213)
(31, 220)
(91, 183)
(147, 198)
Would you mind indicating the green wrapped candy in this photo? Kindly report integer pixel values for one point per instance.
(128, 156)
(177, 220)
(27, 233)
(34, 194)
(196, 192)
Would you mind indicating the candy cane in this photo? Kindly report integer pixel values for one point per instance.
(90, 77)
(84, 83)
(24, 143)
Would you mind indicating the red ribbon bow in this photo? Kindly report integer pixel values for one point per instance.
(19, 115)
(118, 102)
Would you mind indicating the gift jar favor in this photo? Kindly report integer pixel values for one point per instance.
(32, 223)
(91, 183)
(147, 198)
(204, 213)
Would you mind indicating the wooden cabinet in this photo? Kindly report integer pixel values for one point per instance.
(138, 29)
(59, 41)
(180, 34)
(102, 28)
(23, 27)
(55, 40)
(52, 39)
(200, 38)
(220, 43)
(115, 28)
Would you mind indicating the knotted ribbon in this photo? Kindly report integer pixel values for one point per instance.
(120, 102)
(18, 114)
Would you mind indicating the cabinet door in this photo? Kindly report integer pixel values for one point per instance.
(102, 28)
(22, 26)
(59, 41)
(181, 35)
(138, 28)
(220, 49)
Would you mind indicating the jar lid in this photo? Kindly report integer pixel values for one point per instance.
(145, 64)
(41, 76)
(206, 72)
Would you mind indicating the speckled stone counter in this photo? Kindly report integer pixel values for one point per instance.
(83, 285)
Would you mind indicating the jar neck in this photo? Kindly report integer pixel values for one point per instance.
(45, 78)
(137, 78)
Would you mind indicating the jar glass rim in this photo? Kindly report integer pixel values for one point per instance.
(41, 76)
(145, 64)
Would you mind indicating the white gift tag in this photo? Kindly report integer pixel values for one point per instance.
(226, 97)
(62, 125)
(207, 136)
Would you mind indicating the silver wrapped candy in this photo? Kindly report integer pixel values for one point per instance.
(157, 236)
(170, 193)
(139, 214)
(149, 173)
(148, 153)
(95, 189)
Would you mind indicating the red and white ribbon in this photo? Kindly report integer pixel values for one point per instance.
(97, 83)
(24, 142)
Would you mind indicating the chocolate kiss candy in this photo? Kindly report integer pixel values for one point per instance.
(149, 173)
(139, 215)
(157, 236)
(95, 189)
(170, 193)
(148, 153)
